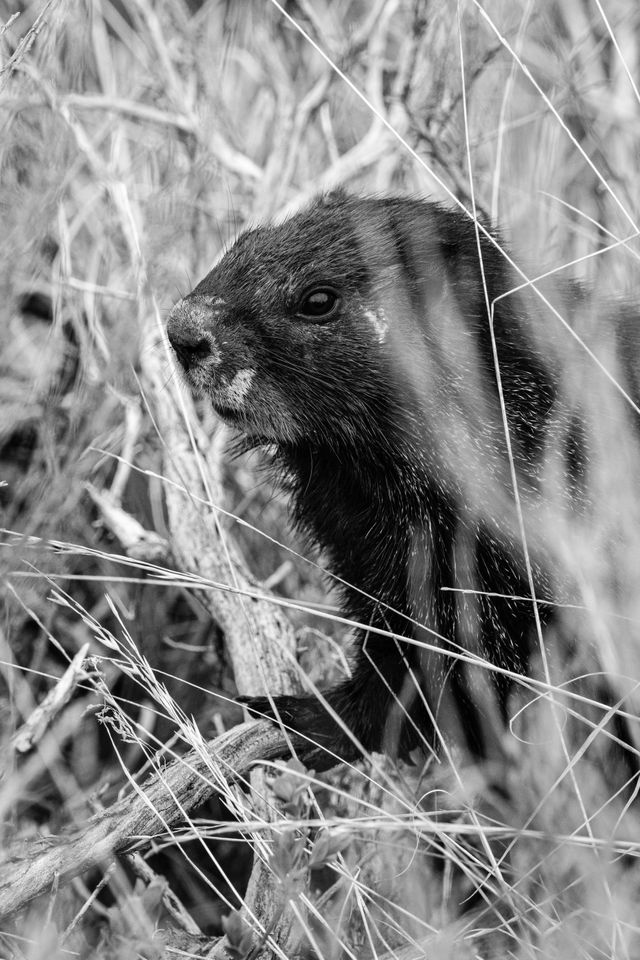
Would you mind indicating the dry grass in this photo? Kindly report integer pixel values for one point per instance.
(136, 140)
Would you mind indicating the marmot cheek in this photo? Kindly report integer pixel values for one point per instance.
(235, 392)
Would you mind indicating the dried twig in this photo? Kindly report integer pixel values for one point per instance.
(30, 868)
(201, 545)
(24, 45)
(89, 901)
(138, 543)
(34, 728)
(230, 158)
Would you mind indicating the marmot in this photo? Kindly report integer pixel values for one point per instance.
(376, 346)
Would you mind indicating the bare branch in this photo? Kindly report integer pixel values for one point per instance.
(32, 731)
(29, 869)
(24, 45)
(230, 158)
(138, 543)
(259, 638)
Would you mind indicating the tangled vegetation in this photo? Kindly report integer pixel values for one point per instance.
(148, 576)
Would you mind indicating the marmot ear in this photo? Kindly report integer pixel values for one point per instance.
(334, 198)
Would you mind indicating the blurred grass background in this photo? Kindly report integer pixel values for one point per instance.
(136, 140)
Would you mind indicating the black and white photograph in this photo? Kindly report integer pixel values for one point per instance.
(320, 479)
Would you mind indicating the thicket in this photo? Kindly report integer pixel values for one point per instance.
(147, 577)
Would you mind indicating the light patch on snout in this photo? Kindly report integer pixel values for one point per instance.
(235, 393)
(379, 323)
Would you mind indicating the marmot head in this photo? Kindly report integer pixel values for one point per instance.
(303, 330)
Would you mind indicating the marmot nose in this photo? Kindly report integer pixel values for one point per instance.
(189, 343)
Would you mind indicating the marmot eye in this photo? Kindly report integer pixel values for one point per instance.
(318, 304)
